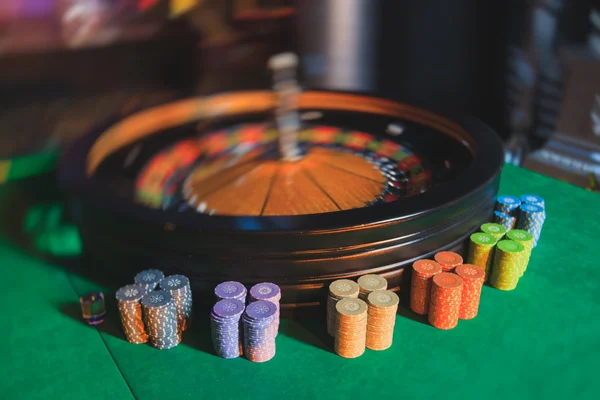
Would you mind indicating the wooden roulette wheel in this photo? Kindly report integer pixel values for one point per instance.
(198, 187)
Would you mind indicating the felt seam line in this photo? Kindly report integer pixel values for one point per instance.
(104, 341)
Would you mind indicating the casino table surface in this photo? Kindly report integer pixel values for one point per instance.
(539, 341)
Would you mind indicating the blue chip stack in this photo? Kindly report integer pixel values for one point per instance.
(531, 219)
(231, 290)
(259, 337)
(533, 199)
(179, 287)
(149, 278)
(269, 292)
(508, 205)
(507, 221)
(160, 319)
(225, 327)
(128, 301)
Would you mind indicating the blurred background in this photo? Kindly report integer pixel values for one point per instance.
(528, 68)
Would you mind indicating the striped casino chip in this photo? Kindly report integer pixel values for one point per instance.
(496, 230)
(150, 278)
(338, 290)
(381, 319)
(531, 220)
(179, 287)
(533, 199)
(473, 278)
(351, 328)
(231, 290)
(269, 292)
(508, 205)
(509, 258)
(507, 221)
(226, 329)
(259, 335)
(524, 238)
(446, 295)
(160, 319)
(370, 283)
(481, 251)
(420, 288)
(130, 310)
(448, 260)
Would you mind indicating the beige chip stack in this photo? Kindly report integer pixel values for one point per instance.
(381, 318)
(370, 283)
(338, 290)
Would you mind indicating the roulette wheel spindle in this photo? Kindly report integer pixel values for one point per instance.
(286, 111)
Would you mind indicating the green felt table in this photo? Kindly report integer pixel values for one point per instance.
(541, 340)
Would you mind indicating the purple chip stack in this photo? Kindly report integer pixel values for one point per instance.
(269, 292)
(225, 327)
(259, 338)
(231, 290)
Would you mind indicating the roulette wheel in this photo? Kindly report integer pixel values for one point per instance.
(207, 188)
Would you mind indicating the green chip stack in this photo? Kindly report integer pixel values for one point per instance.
(497, 231)
(526, 239)
(481, 250)
(509, 258)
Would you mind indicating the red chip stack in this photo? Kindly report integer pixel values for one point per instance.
(473, 278)
(446, 294)
(448, 260)
(420, 288)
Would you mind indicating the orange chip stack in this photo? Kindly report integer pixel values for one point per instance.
(446, 294)
(351, 327)
(448, 260)
(420, 288)
(381, 318)
(473, 278)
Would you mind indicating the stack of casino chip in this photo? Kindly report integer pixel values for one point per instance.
(259, 337)
(448, 260)
(507, 221)
(473, 278)
(160, 318)
(338, 290)
(508, 264)
(351, 327)
(446, 296)
(507, 211)
(269, 292)
(179, 287)
(381, 318)
(531, 219)
(370, 283)
(508, 205)
(533, 199)
(149, 278)
(231, 290)
(225, 327)
(481, 251)
(497, 231)
(420, 288)
(526, 239)
(128, 301)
